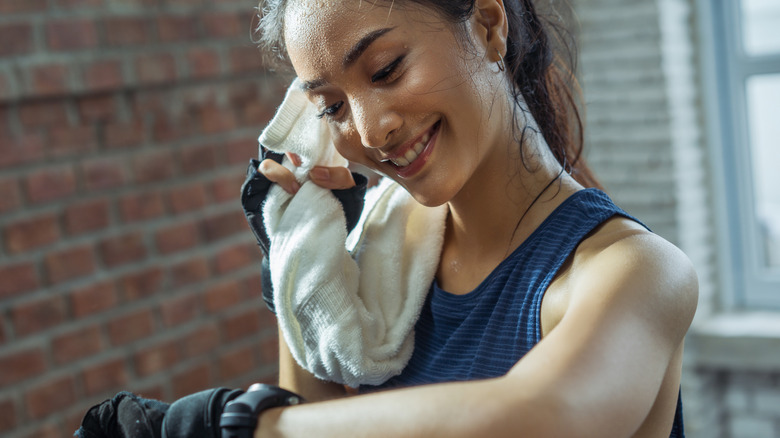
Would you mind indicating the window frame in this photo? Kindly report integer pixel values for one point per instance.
(726, 67)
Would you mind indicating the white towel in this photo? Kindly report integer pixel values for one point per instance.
(346, 312)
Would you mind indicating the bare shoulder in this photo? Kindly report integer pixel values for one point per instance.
(629, 266)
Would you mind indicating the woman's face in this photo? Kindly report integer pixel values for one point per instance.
(403, 94)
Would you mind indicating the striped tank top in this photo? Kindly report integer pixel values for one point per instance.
(483, 333)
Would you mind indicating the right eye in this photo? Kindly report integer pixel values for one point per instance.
(331, 111)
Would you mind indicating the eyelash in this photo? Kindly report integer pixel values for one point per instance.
(386, 74)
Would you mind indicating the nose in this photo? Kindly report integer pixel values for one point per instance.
(375, 122)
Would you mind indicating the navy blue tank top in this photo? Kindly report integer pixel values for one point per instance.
(483, 333)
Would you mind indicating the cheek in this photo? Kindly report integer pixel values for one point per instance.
(348, 144)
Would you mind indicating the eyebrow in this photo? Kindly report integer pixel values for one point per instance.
(351, 56)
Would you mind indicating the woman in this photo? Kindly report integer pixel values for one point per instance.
(461, 104)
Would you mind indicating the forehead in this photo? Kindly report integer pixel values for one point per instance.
(318, 33)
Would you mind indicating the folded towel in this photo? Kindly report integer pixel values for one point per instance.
(347, 311)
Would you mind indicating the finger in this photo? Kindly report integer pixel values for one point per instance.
(279, 174)
(294, 158)
(334, 178)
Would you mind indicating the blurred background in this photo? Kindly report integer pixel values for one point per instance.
(126, 127)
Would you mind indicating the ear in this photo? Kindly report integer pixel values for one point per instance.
(490, 26)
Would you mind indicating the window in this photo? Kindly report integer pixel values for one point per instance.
(745, 66)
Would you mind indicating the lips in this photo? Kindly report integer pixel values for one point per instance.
(411, 156)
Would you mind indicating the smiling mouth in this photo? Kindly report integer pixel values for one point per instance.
(410, 155)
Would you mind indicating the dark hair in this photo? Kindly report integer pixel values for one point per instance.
(541, 78)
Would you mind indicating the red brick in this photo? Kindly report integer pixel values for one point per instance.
(21, 365)
(71, 34)
(72, 140)
(223, 225)
(17, 39)
(38, 315)
(187, 198)
(242, 325)
(176, 238)
(200, 342)
(110, 375)
(76, 345)
(126, 31)
(51, 397)
(122, 135)
(181, 309)
(156, 358)
(227, 188)
(50, 183)
(73, 4)
(214, 119)
(245, 60)
(189, 272)
(46, 429)
(192, 380)
(240, 151)
(20, 150)
(140, 207)
(7, 91)
(224, 25)
(197, 159)
(103, 75)
(153, 167)
(269, 350)
(131, 327)
(155, 69)
(141, 284)
(49, 79)
(177, 28)
(255, 114)
(16, 6)
(8, 415)
(235, 257)
(87, 216)
(243, 93)
(31, 233)
(165, 129)
(17, 279)
(223, 296)
(238, 362)
(103, 174)
(92, 299)
(121, 250)
(43, 114)
(252, 284)
(98, 108)
(69, 264)
(203, 63)
(150, 103)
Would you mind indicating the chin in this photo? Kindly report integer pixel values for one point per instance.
(434, 199)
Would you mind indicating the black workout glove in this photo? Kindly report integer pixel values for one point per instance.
(129, 416)
(253, 193)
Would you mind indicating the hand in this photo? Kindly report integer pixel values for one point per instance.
(333, 178)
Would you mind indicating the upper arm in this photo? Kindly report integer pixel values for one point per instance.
(293, 377)
(601, 367)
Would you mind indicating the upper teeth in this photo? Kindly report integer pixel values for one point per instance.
(412, 153)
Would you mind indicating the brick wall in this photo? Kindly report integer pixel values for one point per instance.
(125, 260)
(641, 76)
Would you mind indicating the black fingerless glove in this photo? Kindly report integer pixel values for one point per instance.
(124, 416)
(253, 194)
(197, 415)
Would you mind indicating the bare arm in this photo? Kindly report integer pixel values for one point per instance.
(596, 374)
(300, 381)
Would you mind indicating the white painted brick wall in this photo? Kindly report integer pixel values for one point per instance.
(644, 139)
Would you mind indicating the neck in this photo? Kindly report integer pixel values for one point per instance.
(506, 199)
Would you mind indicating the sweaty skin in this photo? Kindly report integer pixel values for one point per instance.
(613, 319)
